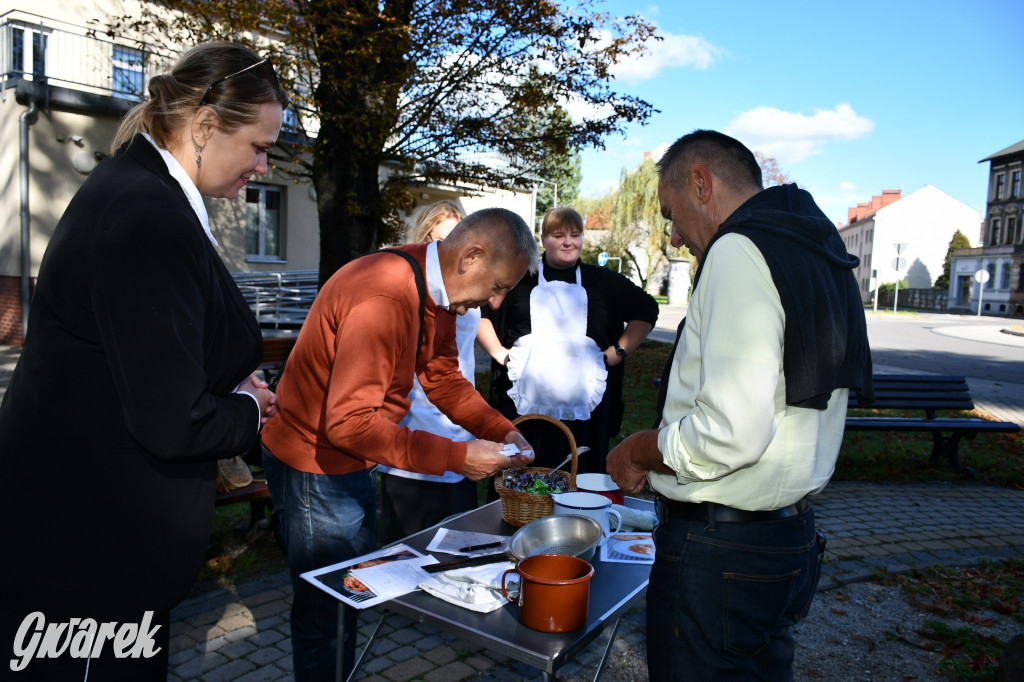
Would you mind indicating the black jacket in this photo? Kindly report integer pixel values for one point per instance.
(122, 402)
(826, 343)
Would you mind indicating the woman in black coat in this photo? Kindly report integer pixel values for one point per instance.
(135, 377)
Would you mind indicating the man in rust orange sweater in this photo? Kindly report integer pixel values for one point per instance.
(346, 387)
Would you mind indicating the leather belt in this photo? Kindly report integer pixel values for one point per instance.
(713, 512)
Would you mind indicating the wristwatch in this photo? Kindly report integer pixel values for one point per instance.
(620, 351)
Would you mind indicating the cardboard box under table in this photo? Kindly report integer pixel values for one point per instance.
(614, 588)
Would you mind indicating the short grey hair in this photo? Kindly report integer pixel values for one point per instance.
(506, 230)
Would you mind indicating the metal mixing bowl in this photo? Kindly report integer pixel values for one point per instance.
(558, 534)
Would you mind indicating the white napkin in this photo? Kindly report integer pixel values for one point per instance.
(477, 588)
(636, 519)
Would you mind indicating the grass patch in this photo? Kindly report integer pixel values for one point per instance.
(233, 556)
(970, 594)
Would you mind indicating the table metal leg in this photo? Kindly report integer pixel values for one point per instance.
(340, 673)
(607, 649)
(339, 663)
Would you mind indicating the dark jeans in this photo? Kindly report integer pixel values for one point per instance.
(324, 519)
(723, 596)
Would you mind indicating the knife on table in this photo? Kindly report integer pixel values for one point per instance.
(467, 562)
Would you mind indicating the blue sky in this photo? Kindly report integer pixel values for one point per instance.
(850, 97)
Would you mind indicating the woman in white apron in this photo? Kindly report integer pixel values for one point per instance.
(558, 342)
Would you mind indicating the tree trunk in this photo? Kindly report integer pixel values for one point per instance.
(360, 47)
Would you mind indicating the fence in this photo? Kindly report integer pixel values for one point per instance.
(916, 299)
(280, 300)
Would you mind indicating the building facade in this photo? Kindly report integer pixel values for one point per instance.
(64, 85)
(990, 278)
(904, 238)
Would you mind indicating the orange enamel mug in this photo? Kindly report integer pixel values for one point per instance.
(554, 591)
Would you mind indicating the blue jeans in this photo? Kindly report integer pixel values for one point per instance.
(722, 597)
(324, 519)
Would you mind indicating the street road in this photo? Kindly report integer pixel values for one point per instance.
(948, 344)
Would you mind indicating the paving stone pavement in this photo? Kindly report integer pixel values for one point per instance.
(243, 635)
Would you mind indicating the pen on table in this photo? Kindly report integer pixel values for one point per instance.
(489, 545)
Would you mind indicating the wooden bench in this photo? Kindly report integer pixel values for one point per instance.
(256, 494)
(275, 354)
(929, 393)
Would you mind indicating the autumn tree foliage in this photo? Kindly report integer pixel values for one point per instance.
(396, 92)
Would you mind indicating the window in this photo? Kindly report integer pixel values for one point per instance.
(263, 222)
(1012, 230)
(1000, 186)
(993, 233)
(291, 121)
(127, 76)
(1004, 279)
(1020, 279)
(28, 52)
(991, 283)
(1015, 184)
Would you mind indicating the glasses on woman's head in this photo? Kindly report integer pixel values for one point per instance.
(265, 60)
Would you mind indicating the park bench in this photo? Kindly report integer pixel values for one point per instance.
(929, 393)
(275, 354)
(256, 494)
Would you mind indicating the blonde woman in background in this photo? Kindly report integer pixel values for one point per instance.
(413, 501)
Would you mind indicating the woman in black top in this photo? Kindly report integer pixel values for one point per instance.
(559, 341)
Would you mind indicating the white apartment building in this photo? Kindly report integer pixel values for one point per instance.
(905, 238)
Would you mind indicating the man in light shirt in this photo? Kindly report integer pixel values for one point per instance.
(753, 406)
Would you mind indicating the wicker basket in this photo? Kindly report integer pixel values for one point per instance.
(519, 508)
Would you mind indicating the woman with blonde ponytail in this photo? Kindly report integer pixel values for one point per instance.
(135, 378)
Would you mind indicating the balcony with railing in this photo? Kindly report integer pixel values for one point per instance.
(76, 66)
(57, 62)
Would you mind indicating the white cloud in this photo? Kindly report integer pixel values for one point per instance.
(673, 51)
(847, 186)
(790, 136)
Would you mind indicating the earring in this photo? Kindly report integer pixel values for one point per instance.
(199, 153)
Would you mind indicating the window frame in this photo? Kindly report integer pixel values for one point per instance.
(28, 56)
(1000, 186)
(123, 69)
(261, 256)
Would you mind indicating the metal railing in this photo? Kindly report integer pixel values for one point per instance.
(280, 300)
(35, 48)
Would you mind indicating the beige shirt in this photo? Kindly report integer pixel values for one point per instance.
(726, 429)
